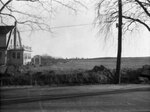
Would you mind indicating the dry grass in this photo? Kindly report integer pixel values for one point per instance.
(87, 64)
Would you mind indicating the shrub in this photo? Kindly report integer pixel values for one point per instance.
(98, 75)
(130, 76)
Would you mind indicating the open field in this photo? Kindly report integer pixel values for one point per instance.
(87, 64)
(95, 98)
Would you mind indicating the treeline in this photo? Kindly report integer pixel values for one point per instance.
(98, 75)
(49, 60)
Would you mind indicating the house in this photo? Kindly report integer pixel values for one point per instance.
(12, 52)
(36, 60)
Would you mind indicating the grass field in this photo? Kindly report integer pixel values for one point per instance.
(87, 64)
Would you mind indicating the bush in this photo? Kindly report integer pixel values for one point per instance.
(130, 76)
(51, 78)
(98, 75)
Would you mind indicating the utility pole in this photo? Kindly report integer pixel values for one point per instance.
(118, 65)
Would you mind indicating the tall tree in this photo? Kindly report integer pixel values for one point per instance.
(135, 14)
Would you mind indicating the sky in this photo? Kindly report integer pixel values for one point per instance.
(83, 41)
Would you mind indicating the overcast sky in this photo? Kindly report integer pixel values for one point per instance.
(84, 41)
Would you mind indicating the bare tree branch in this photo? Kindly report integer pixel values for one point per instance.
(65, 5)
(137, 20)
(5, 5)
(78, 2)
(9, 15)
(134, 12)
(144, 8)
(36, 19)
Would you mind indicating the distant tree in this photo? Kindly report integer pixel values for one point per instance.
(134, 14)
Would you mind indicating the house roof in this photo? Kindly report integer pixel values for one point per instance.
(5, 29)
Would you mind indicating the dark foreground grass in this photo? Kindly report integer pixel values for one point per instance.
(136, 101)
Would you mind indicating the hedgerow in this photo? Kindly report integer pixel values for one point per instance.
(98, 75)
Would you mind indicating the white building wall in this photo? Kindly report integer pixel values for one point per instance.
(26, 57)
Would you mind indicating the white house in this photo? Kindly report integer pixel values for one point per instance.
(12, 52)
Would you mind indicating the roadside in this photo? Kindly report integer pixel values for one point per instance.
(31, 94)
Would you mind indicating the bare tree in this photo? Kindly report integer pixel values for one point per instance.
(34, 14)
(135, 13)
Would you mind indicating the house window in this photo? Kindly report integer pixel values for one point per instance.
(0, 55)
(29, 56)
(14, 55)
(18, 55)
(25, 56)
(11, 42)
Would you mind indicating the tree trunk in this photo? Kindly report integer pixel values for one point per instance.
(118, 65)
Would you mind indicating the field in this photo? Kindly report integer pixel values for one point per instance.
(88, 64)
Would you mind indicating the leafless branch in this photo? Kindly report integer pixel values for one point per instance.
(30, 19)
(65, 5)
(134, 12)
(137, 20)
(4, 5)
(144, 8)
